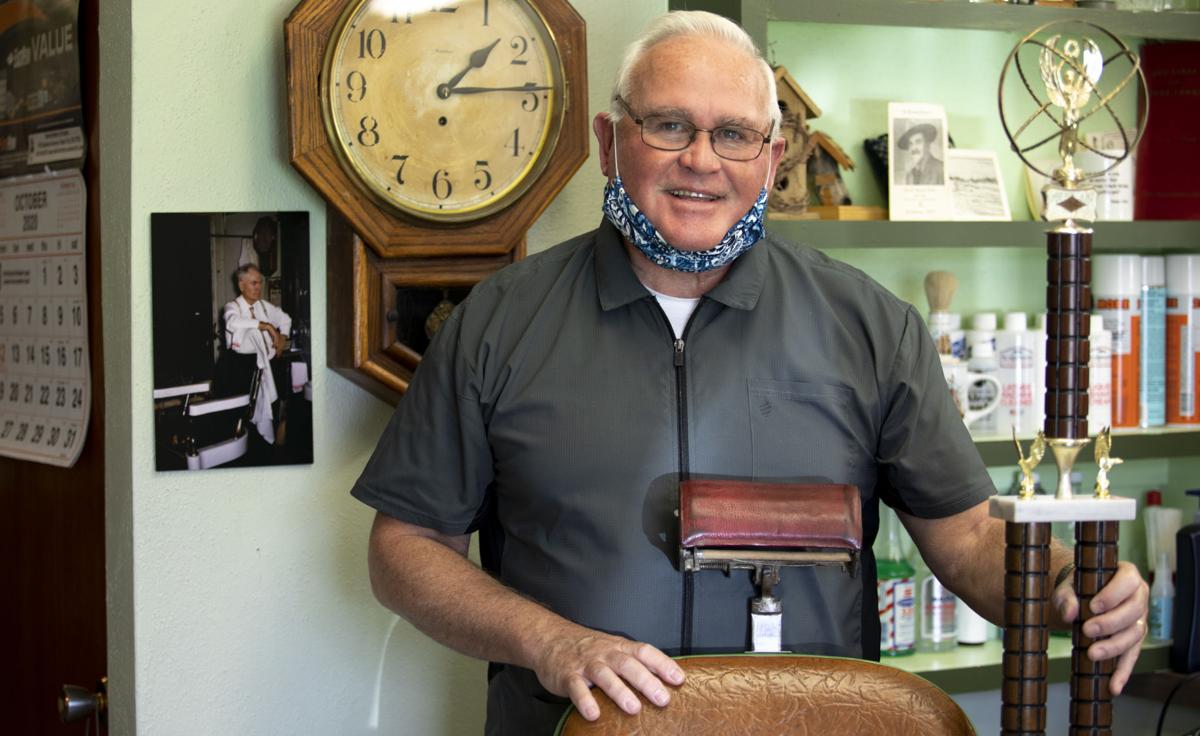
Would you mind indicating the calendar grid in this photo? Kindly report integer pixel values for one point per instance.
(45, 375)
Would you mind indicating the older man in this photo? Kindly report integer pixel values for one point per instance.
(561, 403)
(255, 326)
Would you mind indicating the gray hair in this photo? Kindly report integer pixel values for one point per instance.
(244, 269)
(680, 23)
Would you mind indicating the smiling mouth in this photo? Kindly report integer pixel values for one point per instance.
(692, 196)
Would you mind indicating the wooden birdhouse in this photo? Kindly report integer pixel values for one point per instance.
(790, 194)
(825, 171)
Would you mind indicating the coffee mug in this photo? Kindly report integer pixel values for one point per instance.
(960, 380)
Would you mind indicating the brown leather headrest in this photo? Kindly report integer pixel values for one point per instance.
(777, 694)
(732, 513)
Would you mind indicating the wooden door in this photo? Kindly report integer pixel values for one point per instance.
(52, 608)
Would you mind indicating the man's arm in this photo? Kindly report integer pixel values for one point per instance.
(425, 576)
(966, 552)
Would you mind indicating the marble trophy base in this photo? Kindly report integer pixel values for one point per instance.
(1049, 508)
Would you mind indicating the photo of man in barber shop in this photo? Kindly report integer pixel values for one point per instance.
(563, 401)
(918, 143)
(231, 352)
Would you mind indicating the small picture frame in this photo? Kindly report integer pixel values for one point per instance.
(232, 339)
(977, 186)
(918, 186)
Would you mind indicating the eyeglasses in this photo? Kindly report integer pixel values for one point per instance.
(670, 133)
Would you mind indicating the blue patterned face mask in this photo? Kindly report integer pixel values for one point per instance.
(638, 230)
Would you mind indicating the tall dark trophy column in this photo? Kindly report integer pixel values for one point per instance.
(1057, 106)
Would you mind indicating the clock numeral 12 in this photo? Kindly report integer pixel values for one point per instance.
(485, 12)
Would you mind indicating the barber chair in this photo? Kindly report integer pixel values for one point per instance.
(776, 694)
(761, 527)
(207, 422)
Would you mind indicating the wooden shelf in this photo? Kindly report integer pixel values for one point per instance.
(1128, 444)
(967, 669)
(1151, 236)
(976, 16)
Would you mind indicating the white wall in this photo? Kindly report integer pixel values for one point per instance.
(238, 599)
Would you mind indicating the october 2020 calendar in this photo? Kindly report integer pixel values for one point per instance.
(45, 384)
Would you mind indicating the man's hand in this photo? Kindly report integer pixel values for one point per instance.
(1120, 610)
(579, 658)
(277, 339)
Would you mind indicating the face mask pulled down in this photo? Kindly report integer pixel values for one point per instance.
(629, 220)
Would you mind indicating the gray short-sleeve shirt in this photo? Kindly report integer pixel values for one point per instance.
(555, 412)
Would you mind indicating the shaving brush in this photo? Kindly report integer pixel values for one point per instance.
(939, 290)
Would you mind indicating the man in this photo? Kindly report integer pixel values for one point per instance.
(925, 169)
(255, 326)
(561, 403)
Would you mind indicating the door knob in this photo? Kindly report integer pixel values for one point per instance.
(76, 702)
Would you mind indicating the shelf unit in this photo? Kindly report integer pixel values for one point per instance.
(755, 14)
(1150, 236)
(1128, 444)
(973, 668)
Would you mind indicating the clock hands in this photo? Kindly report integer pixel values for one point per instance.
(527, 87)
(478, 58)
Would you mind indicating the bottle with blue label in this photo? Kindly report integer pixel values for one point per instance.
(897, 593)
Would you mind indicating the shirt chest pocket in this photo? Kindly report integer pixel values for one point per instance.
(802, 431)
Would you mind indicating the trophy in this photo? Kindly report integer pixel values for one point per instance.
(1071, 59)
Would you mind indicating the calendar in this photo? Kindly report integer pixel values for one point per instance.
(45, 381)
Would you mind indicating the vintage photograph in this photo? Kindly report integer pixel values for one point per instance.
(977, 184)
(232, 360)
(920, 158)
(918, 143)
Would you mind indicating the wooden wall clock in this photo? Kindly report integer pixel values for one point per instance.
(437, 132)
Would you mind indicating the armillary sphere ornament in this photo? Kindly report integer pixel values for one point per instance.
(1076, 102)
(1084, 79)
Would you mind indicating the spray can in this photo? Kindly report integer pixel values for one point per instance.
(1117, 286)
(1183, 339)
(1100, 372)
(1152, 381)
(1015, 357)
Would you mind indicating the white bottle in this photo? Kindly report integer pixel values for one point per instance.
(1099, 377)
(1015, 356)
(1162, 600)
(983, 329)
(979, 395)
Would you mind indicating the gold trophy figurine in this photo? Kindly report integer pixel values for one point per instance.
(1104, 461)
(1027, 464)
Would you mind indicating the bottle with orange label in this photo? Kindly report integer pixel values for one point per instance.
(1116, 289)
(1183, 339)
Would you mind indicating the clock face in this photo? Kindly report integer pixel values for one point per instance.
(443, 110)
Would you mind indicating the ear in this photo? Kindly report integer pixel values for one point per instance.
(777, 147)
(602, 126)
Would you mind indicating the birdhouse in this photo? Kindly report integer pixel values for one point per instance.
(790, 193)
(825, 171)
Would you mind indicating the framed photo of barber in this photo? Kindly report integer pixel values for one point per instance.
(917, 179)
(232, 339)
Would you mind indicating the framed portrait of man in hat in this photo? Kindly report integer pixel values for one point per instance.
(917, 162)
